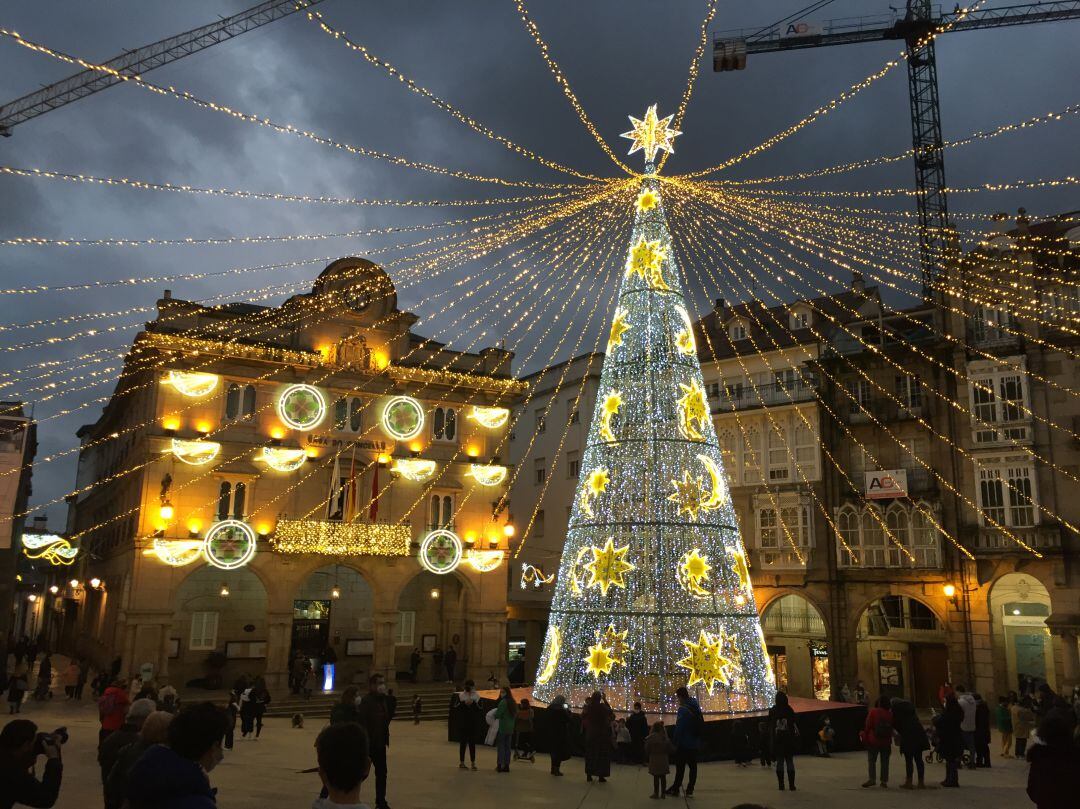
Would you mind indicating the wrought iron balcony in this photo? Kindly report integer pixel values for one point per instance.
(772, 393)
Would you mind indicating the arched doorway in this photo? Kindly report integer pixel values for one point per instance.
(219, 628)
(1019, 607)
(796, 640)
(431, 618)
(902, 650)
(333, 627)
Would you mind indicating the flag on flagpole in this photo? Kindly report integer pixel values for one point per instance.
(350, 493)
(374, 511)
(335, 489)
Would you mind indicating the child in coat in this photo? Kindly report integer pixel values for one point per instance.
(658, 750)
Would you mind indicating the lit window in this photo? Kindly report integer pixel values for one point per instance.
(204, 627)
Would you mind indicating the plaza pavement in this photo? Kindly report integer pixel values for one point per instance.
(424, 775)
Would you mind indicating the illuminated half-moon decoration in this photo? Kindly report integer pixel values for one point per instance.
(483, 561)
(195, 451)
(302, 407)
(52, 548)
(192, 383)
(283, 459)
(716, 495)
(552, 647)
(684, 340)
(415, 469)
(440, 552)
(178, 552)
(229, 544)
(576, 573)
(403, 418)
(487, 474)
(490, 417)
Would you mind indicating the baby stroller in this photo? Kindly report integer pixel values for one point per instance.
(934, 753)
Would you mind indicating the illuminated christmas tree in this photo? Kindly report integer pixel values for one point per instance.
(653, 590)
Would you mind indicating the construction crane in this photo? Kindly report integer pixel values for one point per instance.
(143, 60)
(915, 27)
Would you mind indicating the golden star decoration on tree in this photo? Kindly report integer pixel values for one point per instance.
(615, 642)
(599, 660)
(693, 572)
(594, 486)
(651, 134)
(619, 327)
(705, 662)
(647, 200)
(645, 258)
(612, 403)
(608, 566)
(688, 494)
(693, 411)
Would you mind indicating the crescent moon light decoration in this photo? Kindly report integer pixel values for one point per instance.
(551, 652)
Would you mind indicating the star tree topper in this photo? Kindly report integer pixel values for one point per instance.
(651, 134)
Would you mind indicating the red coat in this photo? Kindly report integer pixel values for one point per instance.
(112, 707)
(877, 719)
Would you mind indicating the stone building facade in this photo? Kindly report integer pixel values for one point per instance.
(266, 480)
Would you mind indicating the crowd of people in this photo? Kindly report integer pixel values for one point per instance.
(154, 752)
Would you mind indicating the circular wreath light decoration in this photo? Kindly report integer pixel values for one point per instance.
(440, 552)
(403, 418)
(302, 407)
(229, 544)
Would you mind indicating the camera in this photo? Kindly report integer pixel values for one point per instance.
(57, 737)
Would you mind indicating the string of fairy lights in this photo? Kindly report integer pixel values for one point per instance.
(546, 272)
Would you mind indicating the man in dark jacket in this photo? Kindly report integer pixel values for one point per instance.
(175, 776)
(17, 756)
(638, 725)
(376, 711)
(112, 744)
(1054, 777)
(687, 738)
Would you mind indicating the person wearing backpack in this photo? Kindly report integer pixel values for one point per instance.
(785, 739)
(689, 725)
(877, 735)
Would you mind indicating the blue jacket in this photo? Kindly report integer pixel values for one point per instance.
(162, 779)
(686, 726)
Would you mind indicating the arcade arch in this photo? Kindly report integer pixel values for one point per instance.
(796, 638)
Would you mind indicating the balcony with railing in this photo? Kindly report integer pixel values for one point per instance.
(770, 559)
(740, 397)
(985, 541)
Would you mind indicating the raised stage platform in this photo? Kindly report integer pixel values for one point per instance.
(846, 719)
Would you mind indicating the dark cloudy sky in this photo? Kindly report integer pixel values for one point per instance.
(619, 55)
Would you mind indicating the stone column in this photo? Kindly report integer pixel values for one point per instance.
(385, 624)
(278, 642)
(1070, 660)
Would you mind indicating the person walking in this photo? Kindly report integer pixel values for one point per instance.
(504, 717)
(1003, 720)
(1023, 723)
(417, 708)
(469, 718)
(784, 735)
(982, 731)
(689, 723)
(558, 722)
(523, 732)
(43, 690)
(376, 712)
(912, 742)
(1054, 764)
(80, 682)
(967, 726)
(596, 719)
(232, 710)
(414, 663)
(764, 743)
(658, 750)
(741, 751)
(638, 725)
(950, 739)
(254, 701)
(877, 735)
(71, 678)
(17, 685)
